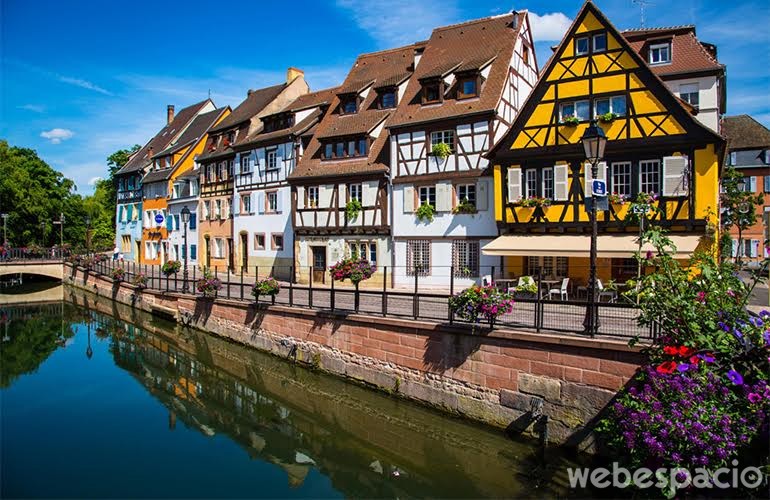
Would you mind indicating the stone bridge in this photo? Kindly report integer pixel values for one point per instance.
(53, 268)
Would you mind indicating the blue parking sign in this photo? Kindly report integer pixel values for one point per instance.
(599, 187)
(159, 219)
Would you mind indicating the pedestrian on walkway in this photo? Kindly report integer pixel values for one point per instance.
(115, 253)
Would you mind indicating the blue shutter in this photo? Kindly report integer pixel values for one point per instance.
(130, 213)
(193, 252)
(169, 223)
(184, 252)
(193, 221)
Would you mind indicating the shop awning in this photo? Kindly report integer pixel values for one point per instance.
(573, 245)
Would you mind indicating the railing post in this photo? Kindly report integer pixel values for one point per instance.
(176, 282)
(385, 291)
(310, 290)
(291, 286)
(332, 296)
(241, 282)
(167, 284)
(451, 292)
(228, 282)
(493, 274)
(216, 272)
(415, 302)
(538, 301)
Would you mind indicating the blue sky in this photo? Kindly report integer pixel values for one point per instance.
(83, 78)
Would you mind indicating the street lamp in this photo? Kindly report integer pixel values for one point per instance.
(594, 141)
(185, 221)
(743, 209)
(60, 223)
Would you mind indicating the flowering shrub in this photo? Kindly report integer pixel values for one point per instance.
(356, 270)
(533, 201)
(703, 397)
(208, 285)
(617, 199)
(481, 301)
(570, 120)
(171, 267)
(118, 274)
(267, 286)
(140, 280)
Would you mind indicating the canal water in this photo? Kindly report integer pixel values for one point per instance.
(98, 400)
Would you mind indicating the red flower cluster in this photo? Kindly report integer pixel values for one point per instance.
(681, 350)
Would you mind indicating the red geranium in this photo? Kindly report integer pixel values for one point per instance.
(671, 350)
(685, 351)
(666, 367)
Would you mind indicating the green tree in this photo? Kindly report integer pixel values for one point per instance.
(738, 209)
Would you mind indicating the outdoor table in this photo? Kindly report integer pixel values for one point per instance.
(505, 284)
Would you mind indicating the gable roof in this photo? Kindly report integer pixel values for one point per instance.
(744, 132)
(255, 101)
(654, 83)
(462, 47)
(371, 69)
(688, 54)
(163, 138)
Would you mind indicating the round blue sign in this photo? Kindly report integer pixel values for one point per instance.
(159, 218)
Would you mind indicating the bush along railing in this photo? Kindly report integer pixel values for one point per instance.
(208, 285)
(702, 400)
(478, 301)
(354, 269)
(268, 287)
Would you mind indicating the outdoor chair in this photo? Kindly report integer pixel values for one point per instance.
(486, 280)
(611, 295)
(561, 291)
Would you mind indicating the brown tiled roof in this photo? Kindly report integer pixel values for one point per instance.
(312, 99)
(687, 53)
(255, 101)
(354, 87)
(373, 68)
(297, 129)
(142, 157)
(744, 132)
(468, 46)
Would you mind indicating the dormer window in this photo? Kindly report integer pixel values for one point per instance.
(349, 106)
(660, 53)
(279, 122)
(346, 148)
(467, 87)
(431, 92)
(388, 99)
(230, 138)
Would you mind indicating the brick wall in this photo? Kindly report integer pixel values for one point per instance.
(502, 377)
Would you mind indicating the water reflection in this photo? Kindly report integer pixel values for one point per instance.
(302, 422)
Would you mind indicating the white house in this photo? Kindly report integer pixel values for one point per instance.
(184, 193)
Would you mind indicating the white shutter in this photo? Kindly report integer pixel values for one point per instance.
(560, 182)
(369, 195)
(753, 184)
(261, 202)
(754, 248)
(482, 195)
(408, 199)
(514, 184)
(325, 195)
(734, 248)
(343, 198)
(601, 170)
(443, 197)
(279, 201)
(674, 176)
(300, 197)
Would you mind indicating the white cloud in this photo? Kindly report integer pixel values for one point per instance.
(78, 82)
(56, 135)
(93, 180)
(549, 27)
(401, 22)
(36, 108)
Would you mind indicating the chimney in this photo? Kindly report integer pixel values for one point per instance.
(169, 114)
(293, 73)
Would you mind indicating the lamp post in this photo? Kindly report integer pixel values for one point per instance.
(60, 223)
(185, 221)
(743, 209)
(594, 141)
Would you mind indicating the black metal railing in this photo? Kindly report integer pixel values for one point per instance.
(24, 254)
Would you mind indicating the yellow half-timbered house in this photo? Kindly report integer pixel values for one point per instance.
(655, 145)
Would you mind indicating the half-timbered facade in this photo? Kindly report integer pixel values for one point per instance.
(129, 211)
(340, 186)
(262, 227)
(654, 146)
(218, 163)
(469, 83)
(184, 194)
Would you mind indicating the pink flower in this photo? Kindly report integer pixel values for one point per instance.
(702, 297)
(649, 255)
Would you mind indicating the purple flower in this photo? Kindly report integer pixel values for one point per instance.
(723, 326)
(756, 322)
(735, 377)
(767, 337)
(683, 367)
(708, 358)
(754, 397)
(649, 254)
(738, 334)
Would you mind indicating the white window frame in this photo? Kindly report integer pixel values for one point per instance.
(462, 191)
(577, 44)
(312, 197)
(445, 136)
(593, 42)
(271, 159)
(466, 255)
(245, 164)
(355, 192)
(574, 105)
(530, 183)
(642, 174)
(269, 209)
(246, 203)
(658, 47)
(687, 90)
(418, 255)
(548, 185)
(624, 169)
(425, 193)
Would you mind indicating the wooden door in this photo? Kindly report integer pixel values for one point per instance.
(319, 264)
(230, 254)
(208, 252)
(245, 251)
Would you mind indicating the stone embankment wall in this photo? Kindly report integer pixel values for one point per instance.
(502, 377)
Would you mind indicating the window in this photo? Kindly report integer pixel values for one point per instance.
(445, 136)
(246, 203)
(312, 197)
(231, 137)
(259, 241)
(767, 184)
(177, 225)
(530, 183)
(245, 165)
(600, 42)
(230, 169)
(362, 147)
(355, 192)
(551, 266)
(219, 248)
(193, 252)
(218, 212)
(346, 149)
(649, 176)
(749, 184)
(620, 178)
(349, 106)
(205, 210)
(328, 151)
(339, 150)
(615, 104)
(366, 250)
(271, 159)
(466, 192)
(660, 53)
(688, 92)
(272, 202)
(431, 92)
(388, 99)
(277, 241)
(465, 258)
(581, 46)
(578, 109)
(467, 87)
(548, 183)
(428, 195)
(418, 257)
(210, 173)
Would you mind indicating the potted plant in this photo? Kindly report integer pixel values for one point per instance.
(441, 150)
(352, 209)
(533, 201)
(464, 207)
(617, 199)
(425, 212)
(607, 117)
(268, 286)
(118, 274)
(570, 120)
(356, 270)
(140, 281)
(478, 301)
(528, 288)
(208, 285)
(171, 267)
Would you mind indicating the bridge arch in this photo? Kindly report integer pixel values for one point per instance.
(49, 269)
